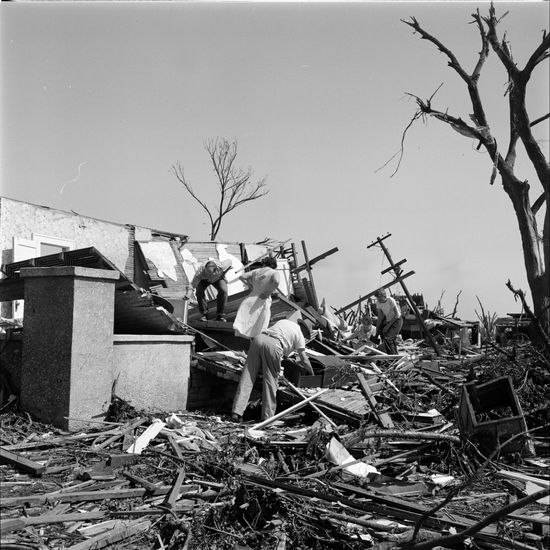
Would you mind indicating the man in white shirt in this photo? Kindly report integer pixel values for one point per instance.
(389, 321)
(265, 353)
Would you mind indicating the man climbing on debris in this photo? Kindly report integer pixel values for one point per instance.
(212, 273)
(265, 354)
(389, 321)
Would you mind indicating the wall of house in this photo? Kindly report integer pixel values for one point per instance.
(33, 223)
(209, 392)
(151, 372)
(24, 220)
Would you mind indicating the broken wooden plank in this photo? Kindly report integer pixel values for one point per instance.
(116, 535)
(175, 446)
(282, 414)
(122, 433)
(174, 493)
(147, 485)
(144, 439)
(523, 477)
(17, 524)
(313, 405)
(118, 460)
(21, 462)
(295, 306)
(383, 418)
(72, 497)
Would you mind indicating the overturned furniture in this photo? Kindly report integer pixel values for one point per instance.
(490, 413)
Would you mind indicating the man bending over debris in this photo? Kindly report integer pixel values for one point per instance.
(389, 321)
(265, 353)
(212, 273)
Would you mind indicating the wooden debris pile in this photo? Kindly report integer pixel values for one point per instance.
(377, 462)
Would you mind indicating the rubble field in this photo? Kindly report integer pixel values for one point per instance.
(389, 452)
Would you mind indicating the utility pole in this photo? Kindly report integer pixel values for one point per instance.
(395, 267)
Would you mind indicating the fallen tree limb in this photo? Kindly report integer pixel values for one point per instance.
(472, 530)
(366, 433)
(391, 527)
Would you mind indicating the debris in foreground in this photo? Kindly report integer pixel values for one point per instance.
(392, 465)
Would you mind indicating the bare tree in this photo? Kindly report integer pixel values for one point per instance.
(236, 185)
(537, 261)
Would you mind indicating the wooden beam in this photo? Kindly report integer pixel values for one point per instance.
(21, 462)
(314, 260)
(379, 240)
(295, 306)
(383, 418)
(115, 535)
(17, 524)
(286, 412)
(314, 301)
(363, 298)
(81, 496)
(174, 493)
(313, 405)
(392, 267)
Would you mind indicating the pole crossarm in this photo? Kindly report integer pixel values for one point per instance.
(393, 267)
(379, 240)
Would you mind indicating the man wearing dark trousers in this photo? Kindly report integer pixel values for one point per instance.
(212, 273)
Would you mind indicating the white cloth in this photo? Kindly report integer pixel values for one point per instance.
(255, 310)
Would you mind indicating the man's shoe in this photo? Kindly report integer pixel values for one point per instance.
(204, 318)
(236, 417)
(221, 319)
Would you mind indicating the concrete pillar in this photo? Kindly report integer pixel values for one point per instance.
(67, 343)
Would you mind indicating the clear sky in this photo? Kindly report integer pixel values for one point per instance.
(99, 100)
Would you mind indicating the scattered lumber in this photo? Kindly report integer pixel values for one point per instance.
(21, 462)
(383, 418)
(280, 489)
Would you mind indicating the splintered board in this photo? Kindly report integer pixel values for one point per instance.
(347, 404)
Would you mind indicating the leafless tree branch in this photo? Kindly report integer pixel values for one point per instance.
(236, 185)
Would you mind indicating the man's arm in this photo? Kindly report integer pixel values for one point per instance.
(379, 322)
(198, 276)
(304, 361)
(394, 311)
(245, 278)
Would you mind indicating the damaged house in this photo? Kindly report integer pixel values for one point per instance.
(125, 288)
(364, 452)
